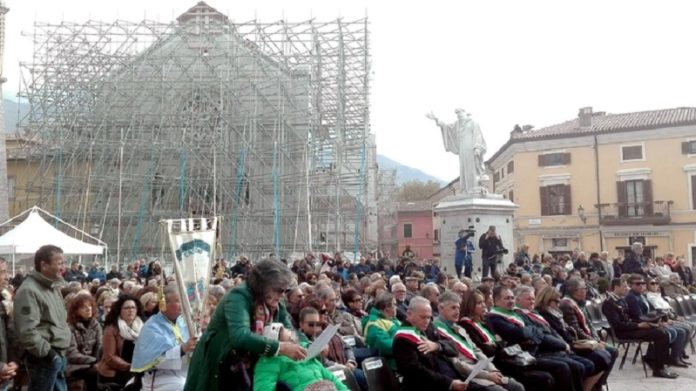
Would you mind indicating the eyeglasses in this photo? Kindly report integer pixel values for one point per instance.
(129, 308)
(313, 324)
(639, 283)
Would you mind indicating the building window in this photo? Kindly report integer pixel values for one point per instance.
(559, 242)
(554, 159)
(555, 200)
(511, 167)
(511, 196)
(635, 198)
(631, 152)
(496, 177)
(436, 235)
(11, 184)
(408, 230)
(689, 147)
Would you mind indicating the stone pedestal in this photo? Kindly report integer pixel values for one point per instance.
(480, 211)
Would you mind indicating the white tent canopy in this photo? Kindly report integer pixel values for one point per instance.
(35, 232)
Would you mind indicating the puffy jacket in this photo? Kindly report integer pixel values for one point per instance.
(298, 375)
(379, 333)
(230, 330)
(40, 316)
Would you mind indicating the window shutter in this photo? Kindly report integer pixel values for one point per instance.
(542, 160)
(648, 197)
(686, 147)
(544, 199)
(566, 158)
(567, 206)
(621, 198)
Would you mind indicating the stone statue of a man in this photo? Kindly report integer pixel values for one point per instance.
(464, 138)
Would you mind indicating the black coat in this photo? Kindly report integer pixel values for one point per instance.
(432, 372)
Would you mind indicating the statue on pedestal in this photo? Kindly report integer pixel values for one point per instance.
(464, 138)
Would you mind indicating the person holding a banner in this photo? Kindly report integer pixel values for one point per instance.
(234, 340)
(161, 350)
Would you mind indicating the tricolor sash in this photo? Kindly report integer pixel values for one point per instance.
(535, 317)
(410, 333)
(508, 315)
(486, 335)
(579, 314)
(460, 342)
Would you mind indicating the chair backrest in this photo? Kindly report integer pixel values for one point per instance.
(346, 377)
(689, 309)
(379, 376)
(682, 310)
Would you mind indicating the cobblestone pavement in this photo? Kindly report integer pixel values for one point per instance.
(632, 378)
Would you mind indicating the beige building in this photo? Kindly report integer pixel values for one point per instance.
(601, 181)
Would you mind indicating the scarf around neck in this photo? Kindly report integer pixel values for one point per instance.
(131, 332)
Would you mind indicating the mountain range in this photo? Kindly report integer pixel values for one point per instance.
(14, 111)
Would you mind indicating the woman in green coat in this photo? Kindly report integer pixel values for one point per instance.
(229, 348)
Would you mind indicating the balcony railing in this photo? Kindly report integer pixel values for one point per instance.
(628, 213)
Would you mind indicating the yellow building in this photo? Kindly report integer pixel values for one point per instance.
(601, 181)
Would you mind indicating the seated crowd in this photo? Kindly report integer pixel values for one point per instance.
(529, 327)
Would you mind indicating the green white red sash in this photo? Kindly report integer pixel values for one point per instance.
(486, 335)
(409, 333)
(534, 317)
(508, 315)
(460, 342)
(579, 314)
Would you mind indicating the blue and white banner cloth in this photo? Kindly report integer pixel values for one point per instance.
(193, 245)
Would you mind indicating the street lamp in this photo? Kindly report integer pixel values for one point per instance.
(581, 214)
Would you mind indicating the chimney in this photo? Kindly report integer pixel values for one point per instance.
(585, 117)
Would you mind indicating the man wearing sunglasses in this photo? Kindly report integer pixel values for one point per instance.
(640, 310)
(616, 311)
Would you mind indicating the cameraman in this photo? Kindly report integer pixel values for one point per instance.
(463, 253)
(491, 246)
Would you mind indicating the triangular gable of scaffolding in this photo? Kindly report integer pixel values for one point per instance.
(35, 232)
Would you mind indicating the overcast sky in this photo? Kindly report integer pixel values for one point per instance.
(507, 62)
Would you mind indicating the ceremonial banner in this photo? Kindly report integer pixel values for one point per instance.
(193, 246)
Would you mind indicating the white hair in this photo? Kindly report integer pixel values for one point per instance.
(418, 301)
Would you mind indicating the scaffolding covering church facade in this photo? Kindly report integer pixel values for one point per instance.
(264, 124)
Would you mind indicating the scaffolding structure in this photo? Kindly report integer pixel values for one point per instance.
(264, 124)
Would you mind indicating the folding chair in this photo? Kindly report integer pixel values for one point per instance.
(379, 376)
(346, 377)
(626, 343)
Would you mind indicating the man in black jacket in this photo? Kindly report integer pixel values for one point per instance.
(422, 358)
(615, 309)
(490, 243)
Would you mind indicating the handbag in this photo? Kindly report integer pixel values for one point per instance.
(514, 355)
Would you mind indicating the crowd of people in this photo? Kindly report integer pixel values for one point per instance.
(527, 323)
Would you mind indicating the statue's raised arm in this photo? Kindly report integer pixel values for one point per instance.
(432, 116)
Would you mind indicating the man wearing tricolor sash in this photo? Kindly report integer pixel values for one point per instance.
(161, 352)
(490, 379)
(550, 351)
(422, 357)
